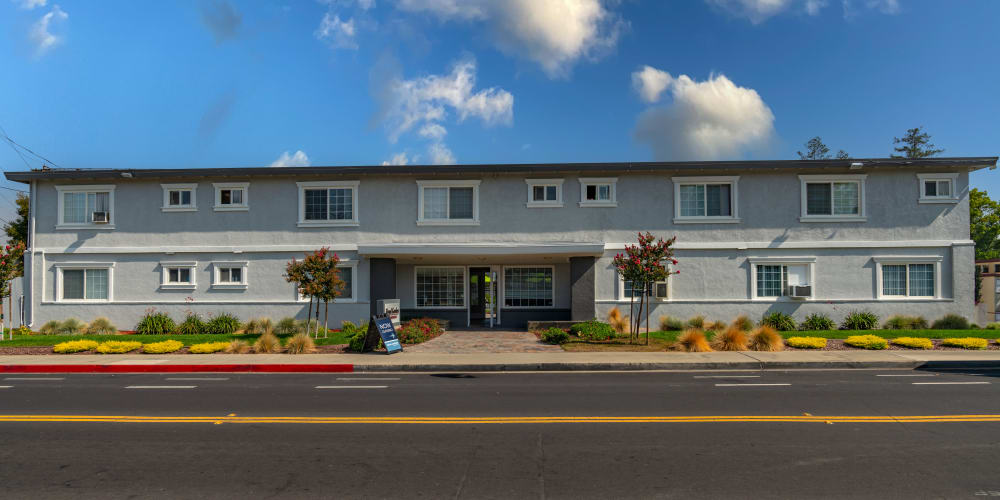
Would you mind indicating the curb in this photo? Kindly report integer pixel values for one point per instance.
(126, 368)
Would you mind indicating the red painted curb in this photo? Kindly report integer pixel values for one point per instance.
(261, 368)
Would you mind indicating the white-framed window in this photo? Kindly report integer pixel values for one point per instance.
(441, 287)
(179, 197)
(448, 203)
(229, 274)
(323, 204)
(833, 198)
(938, 188)
(84, 282)
(660, 290)
(347, 271)
(544, 193)
(86, 206)
(178, 275)
(775, 278)
(908, 277)
(231, 196)
(528, 286)
(705, 199)
(996, 284)
(598, 192)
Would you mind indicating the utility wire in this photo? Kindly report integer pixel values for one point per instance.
(14, 190)
(14, 143)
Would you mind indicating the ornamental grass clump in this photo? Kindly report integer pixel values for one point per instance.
(817, 321)
(267, 344)
(860, 320)
(207, 347)
(118, 346)
(900, 322)
(155, 323)
(992, 326)
(617, 321)
(743, 323)
(238, 347)
(286, 326)
(715, 326)
(301, 343)
(693, 340)
(668, 324)
(966, 343)
(806, 342)
(696, 321)
(162, 347)
(872, 342)
(730, 339)
(192, 325)
(779, 321)
(72, 326)
(766, 338)
(913, 342)
(101, 326)
(50, 327)
(74, 346)
(951, 322)
(556, 336)
(223, 324)
(253, 327)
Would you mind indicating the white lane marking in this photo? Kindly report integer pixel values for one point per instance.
(367, 378)
(5, 386)
(161, 387)
(747, 385)
(352, 386)
(727, 376)
(195, 378)
(35, 378)
(908, 375)
(950, 383)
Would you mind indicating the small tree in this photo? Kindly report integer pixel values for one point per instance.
(316, 277)
(10, 268)
(642, 265)
(979, 285)
(815, 150)
(330, 285)
(17, 230)
(915, 144)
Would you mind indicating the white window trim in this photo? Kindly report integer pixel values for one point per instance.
(503, 287)
(623, 298)
(906, 260)
(342, 264)
(167, 207)
(810, 262)
(61, 266)
(474, 221)
(465, 288)
(858, 178)
(81, 188)
(352, 185)
(219, 186)
(952, 178)
(165, 267)
(589, 181)
(217, 265)
(533, 183)
(732, 181)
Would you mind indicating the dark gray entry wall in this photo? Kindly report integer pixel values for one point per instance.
(582, 271)
(382, 281)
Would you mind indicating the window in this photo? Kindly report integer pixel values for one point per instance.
(659, 290)
(179, 197)
(908, 277)
(705, 199)
(231, 196)
(86, 207)
(84, 282)
(596, 192)
(938, 188)
(528, 287)
(346, 273)
(328, 204)
(440, 287)
(996, 268)
(833, 198)
(544, 192)
(773, 278)
(229, 275)
(178, 275)
(996, 286)
(448, 203)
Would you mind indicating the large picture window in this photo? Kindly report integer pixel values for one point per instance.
(833, 198)
(705, 199)
(328, 204)
(86, 206)
(774, 278)
(440, 287)
(90, 282)
(908, 277)
(448, 202)
(527, 287)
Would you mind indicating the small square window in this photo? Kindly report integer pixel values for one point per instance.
(598, 192)
(937, 188)
(231, 196)
(230, 275)
(179, 275)
(544, 192)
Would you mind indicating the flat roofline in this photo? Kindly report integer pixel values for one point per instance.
(971, 163)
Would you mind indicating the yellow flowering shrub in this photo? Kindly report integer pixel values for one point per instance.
(966, 343)
(208, 347)
(913, 342)
(867, 342)
(806, 342)
(162, 347)
(118, 346)
(74, 346)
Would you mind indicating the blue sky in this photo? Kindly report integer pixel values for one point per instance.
(128, 84)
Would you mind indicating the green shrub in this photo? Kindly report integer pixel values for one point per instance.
(593, 330)
(899, 322)
(668, 324)
(806, 342)
(554, 336)
(867, 342)
(253, 327)
(914, 343)
(696, 321)
(162, 347)
(357, 342)
(417, 330)
(192, 325)
(72, 326)
(208, 347)
(951, 322)
(118, 346)
(743, 323)
(860, 320)
(155, 323)
(992, 326)
(286, 326)
(348, 328)
(51, 327)
(101, 326)
(223, 324)
(966, 343)
(817, 321)
(74, 346)
(779, 321)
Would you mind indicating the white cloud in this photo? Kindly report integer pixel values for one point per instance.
(30, 4)
(339, 34)
(884, 6)
(553, 33)
(440, 154)
(757, 11)
(397, 159)
(41, 34)
(299, 159)
(814, 6)
(707, 120)
(433, 131)
(650, 82)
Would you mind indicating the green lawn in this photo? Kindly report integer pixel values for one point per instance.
(843, 334)
(48, 340)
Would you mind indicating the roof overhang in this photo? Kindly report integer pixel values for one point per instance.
(399, 250)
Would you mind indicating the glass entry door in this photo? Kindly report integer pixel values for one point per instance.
(482, 296)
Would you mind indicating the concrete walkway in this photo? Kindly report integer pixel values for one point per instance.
(484, 341)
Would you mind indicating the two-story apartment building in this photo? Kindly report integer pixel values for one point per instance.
(888, 235)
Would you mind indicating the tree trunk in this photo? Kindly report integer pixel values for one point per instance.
(647, 319)
(326, 319)
(316, 334)
(309, 311)
(631, 316)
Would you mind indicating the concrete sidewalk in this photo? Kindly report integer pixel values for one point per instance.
(556, 361)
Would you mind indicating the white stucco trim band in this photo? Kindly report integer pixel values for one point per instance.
(820, 244)
(498, 248)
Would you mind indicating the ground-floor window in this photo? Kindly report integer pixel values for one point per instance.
(346, 274)
(908, 280)
(440, 286)
(771, 280)
(527, 287)
(85, 284)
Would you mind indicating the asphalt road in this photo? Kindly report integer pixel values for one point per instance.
(483, 448)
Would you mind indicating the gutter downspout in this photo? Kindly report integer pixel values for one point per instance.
(31, 242)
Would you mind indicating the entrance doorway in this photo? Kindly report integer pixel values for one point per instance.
(482, 289)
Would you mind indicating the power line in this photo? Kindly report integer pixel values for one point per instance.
(14, 190)
(14, 143)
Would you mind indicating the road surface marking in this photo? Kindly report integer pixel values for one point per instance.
(949, 383)
(195, 378)
(5, 386)
(35, 378)
(352, 386)
(367, 378)
(911, 375)
(747, 385)
(727, 376)
(161, 387)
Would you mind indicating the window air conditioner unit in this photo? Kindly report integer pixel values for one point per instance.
(99, 217)
(799, 292)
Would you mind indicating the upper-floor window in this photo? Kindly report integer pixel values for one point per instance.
(229, 274)
(938, 188)
(773, 278)
(544, 192)
(328, 203)
(231, 196)
(83, 282)
(833, 198)
(705, 199)
(179, 197)
(86, 207)
(598, 192)
(178, 275)
(448, 202)
(908, 277)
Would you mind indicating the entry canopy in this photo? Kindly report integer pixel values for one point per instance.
(482, 249)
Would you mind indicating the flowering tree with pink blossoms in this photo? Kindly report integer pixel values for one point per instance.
(644, 264)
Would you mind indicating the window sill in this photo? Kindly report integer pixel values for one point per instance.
(707, 220)
(900, 298)
(346, 223)
(98, 227)
(543, 205)
(455, 222)
(831, 218)
(598, 204)
(442, 308)
(225, 208)
(228, 286)
(179, 209)
(178, 286)
(81, 301)
(938, 200)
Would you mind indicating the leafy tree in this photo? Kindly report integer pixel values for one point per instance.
(642, 265)
(915, 144)
(843, 155)
(17, 231)
(984, 224)
(816, 150)
(10, 267)
(979, 285)
(316, 277)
